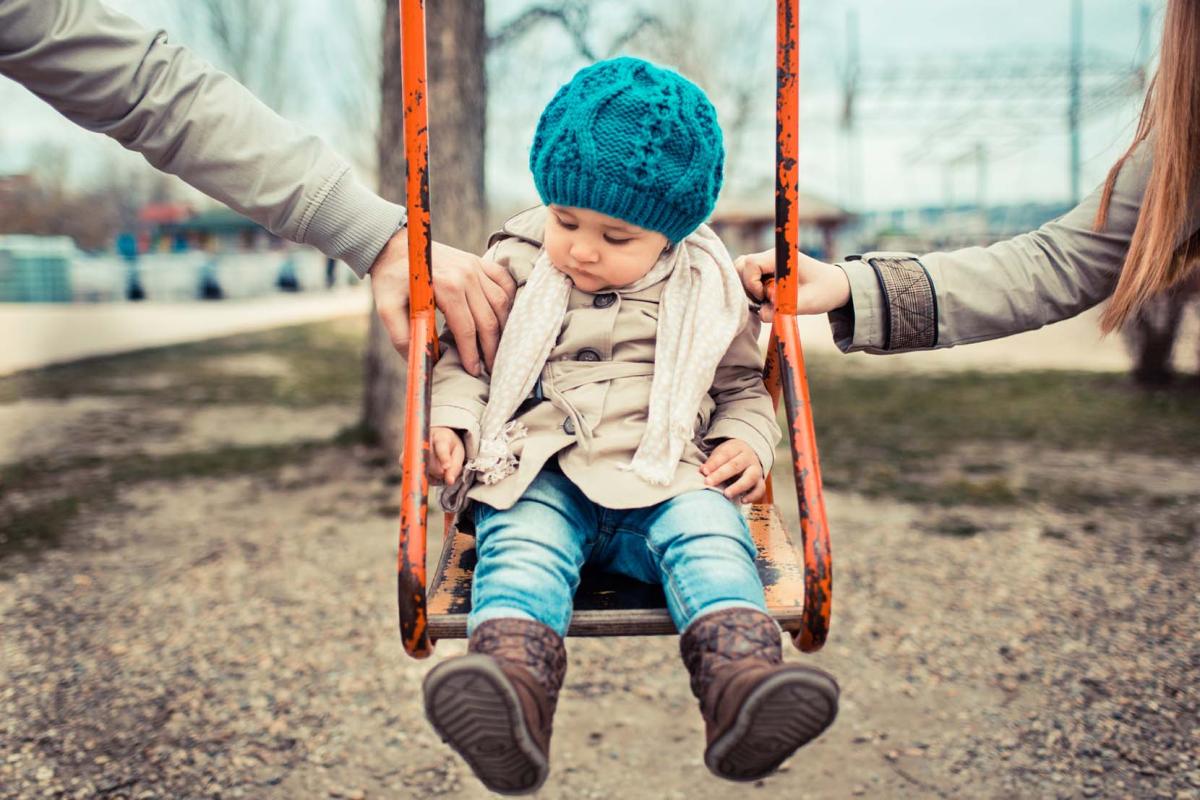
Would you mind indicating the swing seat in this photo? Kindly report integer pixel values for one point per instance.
(608, 604)
(796, 573)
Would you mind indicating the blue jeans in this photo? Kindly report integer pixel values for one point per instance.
(696, 545)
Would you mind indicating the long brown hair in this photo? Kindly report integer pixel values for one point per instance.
(1157, 258)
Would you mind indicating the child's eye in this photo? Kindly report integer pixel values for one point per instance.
(567, 226)
(618, 242)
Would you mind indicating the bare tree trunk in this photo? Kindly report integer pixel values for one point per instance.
(457, 47)
(1150, 336)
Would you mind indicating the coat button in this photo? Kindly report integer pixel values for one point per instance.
(568, 427)
(587, 354)
(604, 300)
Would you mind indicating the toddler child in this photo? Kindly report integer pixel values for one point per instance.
(624, 418)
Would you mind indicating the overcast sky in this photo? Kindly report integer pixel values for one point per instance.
(899, 158)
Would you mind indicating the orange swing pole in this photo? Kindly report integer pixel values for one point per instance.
(785, 371)
(422, 353)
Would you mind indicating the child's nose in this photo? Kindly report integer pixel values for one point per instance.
(582, 251)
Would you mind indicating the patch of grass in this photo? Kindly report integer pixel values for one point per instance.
(317, 364)
(957, 525)
(216, 463)
(1080, 498)
(926, 414)
(92, 484)
(38, 526)
(324, 365)
(890, 435)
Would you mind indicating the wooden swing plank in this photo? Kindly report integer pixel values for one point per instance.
(613, 605)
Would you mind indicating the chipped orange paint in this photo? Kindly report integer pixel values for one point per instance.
(787, 149)
(787, 370)
(416, 153)
(422, 353)
(814, 531)
(414, 491)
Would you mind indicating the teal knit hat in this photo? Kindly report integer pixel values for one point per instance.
(634, 141)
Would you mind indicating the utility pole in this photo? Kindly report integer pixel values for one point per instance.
(1144, 42)
(948, 186)
(851, 155)
(981, 168)
(1074, 102)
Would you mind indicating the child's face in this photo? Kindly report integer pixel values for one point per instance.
(599, 252)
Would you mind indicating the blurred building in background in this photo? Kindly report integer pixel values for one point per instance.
(177, 228)
(749, 226)
(172, 253)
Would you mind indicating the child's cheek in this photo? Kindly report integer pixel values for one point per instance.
(556, 253)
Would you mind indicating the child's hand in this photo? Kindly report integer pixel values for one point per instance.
(446, 453)
(733, 457)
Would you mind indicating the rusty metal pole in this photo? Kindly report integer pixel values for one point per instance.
(414, 486)
(788, 367)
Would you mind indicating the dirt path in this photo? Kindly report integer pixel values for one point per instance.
(235, 638)
(36, 334)
(235, 635)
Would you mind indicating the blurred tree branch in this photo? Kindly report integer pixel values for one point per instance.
(253, 40)
(574, 17)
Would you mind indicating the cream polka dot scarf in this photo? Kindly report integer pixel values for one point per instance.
(701, 310)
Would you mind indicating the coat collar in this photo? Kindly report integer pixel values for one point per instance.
(529, 226)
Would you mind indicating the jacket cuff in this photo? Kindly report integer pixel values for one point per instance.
(893, 306)
(856, 325)
(733, 428)
(353, 224)
(464, 418)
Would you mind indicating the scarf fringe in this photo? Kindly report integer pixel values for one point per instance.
(496, 461)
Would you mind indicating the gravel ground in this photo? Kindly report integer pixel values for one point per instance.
(236, 638)
(235, 635)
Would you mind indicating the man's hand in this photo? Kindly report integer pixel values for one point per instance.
(822, 288)
(733, 457)
(474, 295)
(446, 453)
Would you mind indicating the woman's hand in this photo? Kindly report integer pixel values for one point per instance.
(822, 287)
(474, 295)
(734, 458)
(446, 454)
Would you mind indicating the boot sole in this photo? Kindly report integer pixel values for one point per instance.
(473, 707)
(782, 714)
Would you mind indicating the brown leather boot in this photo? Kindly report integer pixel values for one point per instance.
(757, 710)
(495, 705)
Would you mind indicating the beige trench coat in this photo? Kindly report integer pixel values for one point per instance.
(596, 390)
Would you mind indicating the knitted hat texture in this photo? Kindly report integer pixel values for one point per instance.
(632, 140)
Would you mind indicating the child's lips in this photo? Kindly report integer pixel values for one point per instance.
(586, 274)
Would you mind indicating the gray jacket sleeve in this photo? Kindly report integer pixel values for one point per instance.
(1065, 267)
(105, 72)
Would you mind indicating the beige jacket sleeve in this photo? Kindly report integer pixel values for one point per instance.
(977, 293)
(105, 72)
(458, 397)
(743, 406)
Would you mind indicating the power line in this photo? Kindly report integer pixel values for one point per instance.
(1008, 99)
